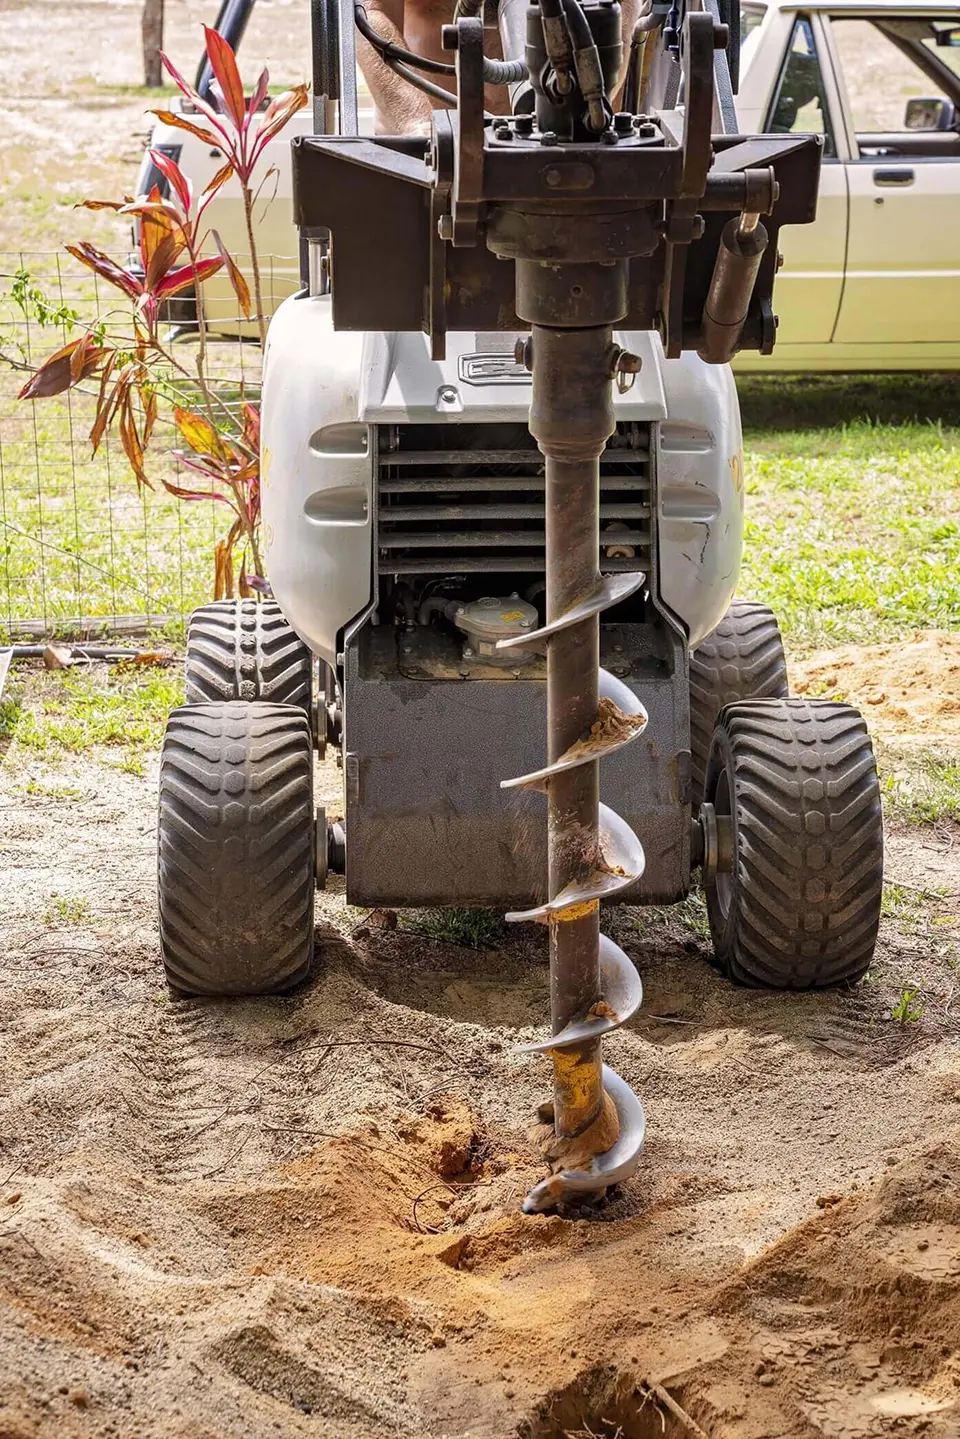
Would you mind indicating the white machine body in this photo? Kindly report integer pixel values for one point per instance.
(325, 392)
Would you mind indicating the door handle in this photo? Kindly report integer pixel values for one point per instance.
(898, 175)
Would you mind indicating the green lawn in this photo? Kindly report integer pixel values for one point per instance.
(853, 526)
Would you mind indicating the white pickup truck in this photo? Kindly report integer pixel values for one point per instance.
(874, 283)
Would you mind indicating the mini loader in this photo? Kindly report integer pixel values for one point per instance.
(503, 516)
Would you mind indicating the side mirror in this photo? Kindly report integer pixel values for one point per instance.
(935, 113)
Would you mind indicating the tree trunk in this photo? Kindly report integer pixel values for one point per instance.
(151, 29)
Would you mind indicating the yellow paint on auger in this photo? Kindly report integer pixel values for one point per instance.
(579, 1079)
(574, 911)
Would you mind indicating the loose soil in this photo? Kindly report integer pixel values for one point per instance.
(908, 690)
(300, 1215)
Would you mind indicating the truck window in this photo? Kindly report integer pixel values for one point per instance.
(800, 104)
(879, 76)
(902, 82)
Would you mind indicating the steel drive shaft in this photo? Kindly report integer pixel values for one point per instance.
(592, 852)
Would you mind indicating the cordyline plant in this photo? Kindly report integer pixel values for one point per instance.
(135, 371)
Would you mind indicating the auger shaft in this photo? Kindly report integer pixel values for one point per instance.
(571, 419)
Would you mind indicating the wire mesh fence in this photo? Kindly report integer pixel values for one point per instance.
(82, 550)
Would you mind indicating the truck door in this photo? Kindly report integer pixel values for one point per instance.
(901, 91)
(810, 284)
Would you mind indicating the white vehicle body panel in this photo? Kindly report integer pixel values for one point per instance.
(874, 282)
(276, 235)
(903, 258)
(323, 389)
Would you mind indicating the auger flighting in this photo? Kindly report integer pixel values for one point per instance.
(592, 853)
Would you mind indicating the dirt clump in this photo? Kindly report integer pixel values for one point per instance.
(611, 726)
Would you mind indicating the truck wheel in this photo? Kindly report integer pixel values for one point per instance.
(742, 659)
(793, 863)
(245, 650)
(236, 848)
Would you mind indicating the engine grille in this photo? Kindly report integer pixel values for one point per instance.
(468, 499)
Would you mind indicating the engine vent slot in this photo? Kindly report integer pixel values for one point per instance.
(463, 499)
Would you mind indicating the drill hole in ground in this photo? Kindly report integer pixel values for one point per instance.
(603, 1403)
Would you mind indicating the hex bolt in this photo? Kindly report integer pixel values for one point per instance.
(447, 394)
(524, 124)
(623, 122)
(647, 131)
(467, 652)
(549, 137)
(610, 137)
(553, 177)
(445, 227)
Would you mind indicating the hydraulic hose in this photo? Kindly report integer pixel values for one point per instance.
(389, 51)
(641, 57)
(504, 72)
(495, 72)
(436, 92)
(557, 44)
(586, 61)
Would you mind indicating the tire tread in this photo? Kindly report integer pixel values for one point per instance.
(742, 659)
(809, 858)
(236, 848)
(246, 650)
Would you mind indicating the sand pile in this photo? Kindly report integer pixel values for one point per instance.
(908, 689)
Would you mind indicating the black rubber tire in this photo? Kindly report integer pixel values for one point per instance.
(246, 650)
(236, 856)
(801, 907)
(742, 659)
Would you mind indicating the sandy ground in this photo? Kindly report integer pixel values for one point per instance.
(299, 1216)
(72, 112)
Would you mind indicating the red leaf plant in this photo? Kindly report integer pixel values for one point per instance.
(222, 446)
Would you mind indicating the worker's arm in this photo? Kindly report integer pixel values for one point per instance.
(401, 109)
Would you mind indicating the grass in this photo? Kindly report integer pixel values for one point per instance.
(42, 789)
(471, 928)
(853, 526)
(124, 708)
(67, 909)
(77, 540)
(920, 785)
(690, 914)
(10, 710)
(912, 907)
(908, 1007)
